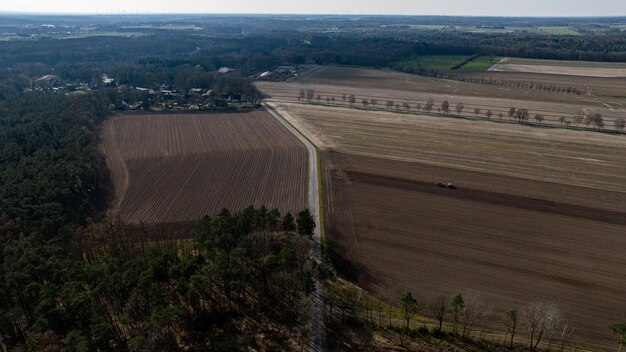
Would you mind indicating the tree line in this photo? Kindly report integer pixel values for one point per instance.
(465, 316)
(424, 71)
(382, 48)
(522, 115)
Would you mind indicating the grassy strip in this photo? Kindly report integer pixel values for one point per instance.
(464, 61)
(320, 182)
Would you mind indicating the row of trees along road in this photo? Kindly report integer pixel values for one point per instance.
(522, 115)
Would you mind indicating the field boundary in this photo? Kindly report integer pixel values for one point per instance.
(320, 185)
(317, 312)
(453, 115)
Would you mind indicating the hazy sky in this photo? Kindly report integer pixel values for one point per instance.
(404, 7)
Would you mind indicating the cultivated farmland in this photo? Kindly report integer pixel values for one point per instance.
(558, 67)
(603, 92)
(178, 168)
(538, 214)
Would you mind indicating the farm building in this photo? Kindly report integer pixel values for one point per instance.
(267, 75)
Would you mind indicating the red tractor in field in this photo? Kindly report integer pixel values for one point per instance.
(449, 185)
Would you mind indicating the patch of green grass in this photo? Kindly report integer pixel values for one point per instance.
(434, 62)
(481, 63)
(565, 63)
(559, 30)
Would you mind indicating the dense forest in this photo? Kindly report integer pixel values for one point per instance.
(149, 54)
(120, 293)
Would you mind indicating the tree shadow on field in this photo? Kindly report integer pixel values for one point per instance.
(344, 267)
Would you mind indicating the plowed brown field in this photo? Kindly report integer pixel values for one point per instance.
(538, 214)
(597, 91)
(601, 95)
(178, 168)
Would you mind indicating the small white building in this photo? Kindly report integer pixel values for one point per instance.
(267, 75)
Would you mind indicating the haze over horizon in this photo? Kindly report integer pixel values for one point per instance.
(538, 8)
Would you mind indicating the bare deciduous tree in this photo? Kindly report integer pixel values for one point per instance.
(522, 115)
(476, 112)
(537, 317)
(620, 123)
(484, 315)
(579, 117)
(457, 306)
(410, 307)
(512, 112)
(352, 100)
(551, 326)
(472, 306)
(445, 107)
(310, 93)
(365, 103)
(389, 104)
(406, 106)
(489, 113)
(459, 108)
(596, 120)
(301, 95)
(539, 118)
(439, 306)
(566, 332)
(511, 324)
(429, 105)
(380, 301)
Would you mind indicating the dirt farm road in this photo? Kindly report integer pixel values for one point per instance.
(316, 343)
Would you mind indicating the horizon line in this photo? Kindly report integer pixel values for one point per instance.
(98, 13)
